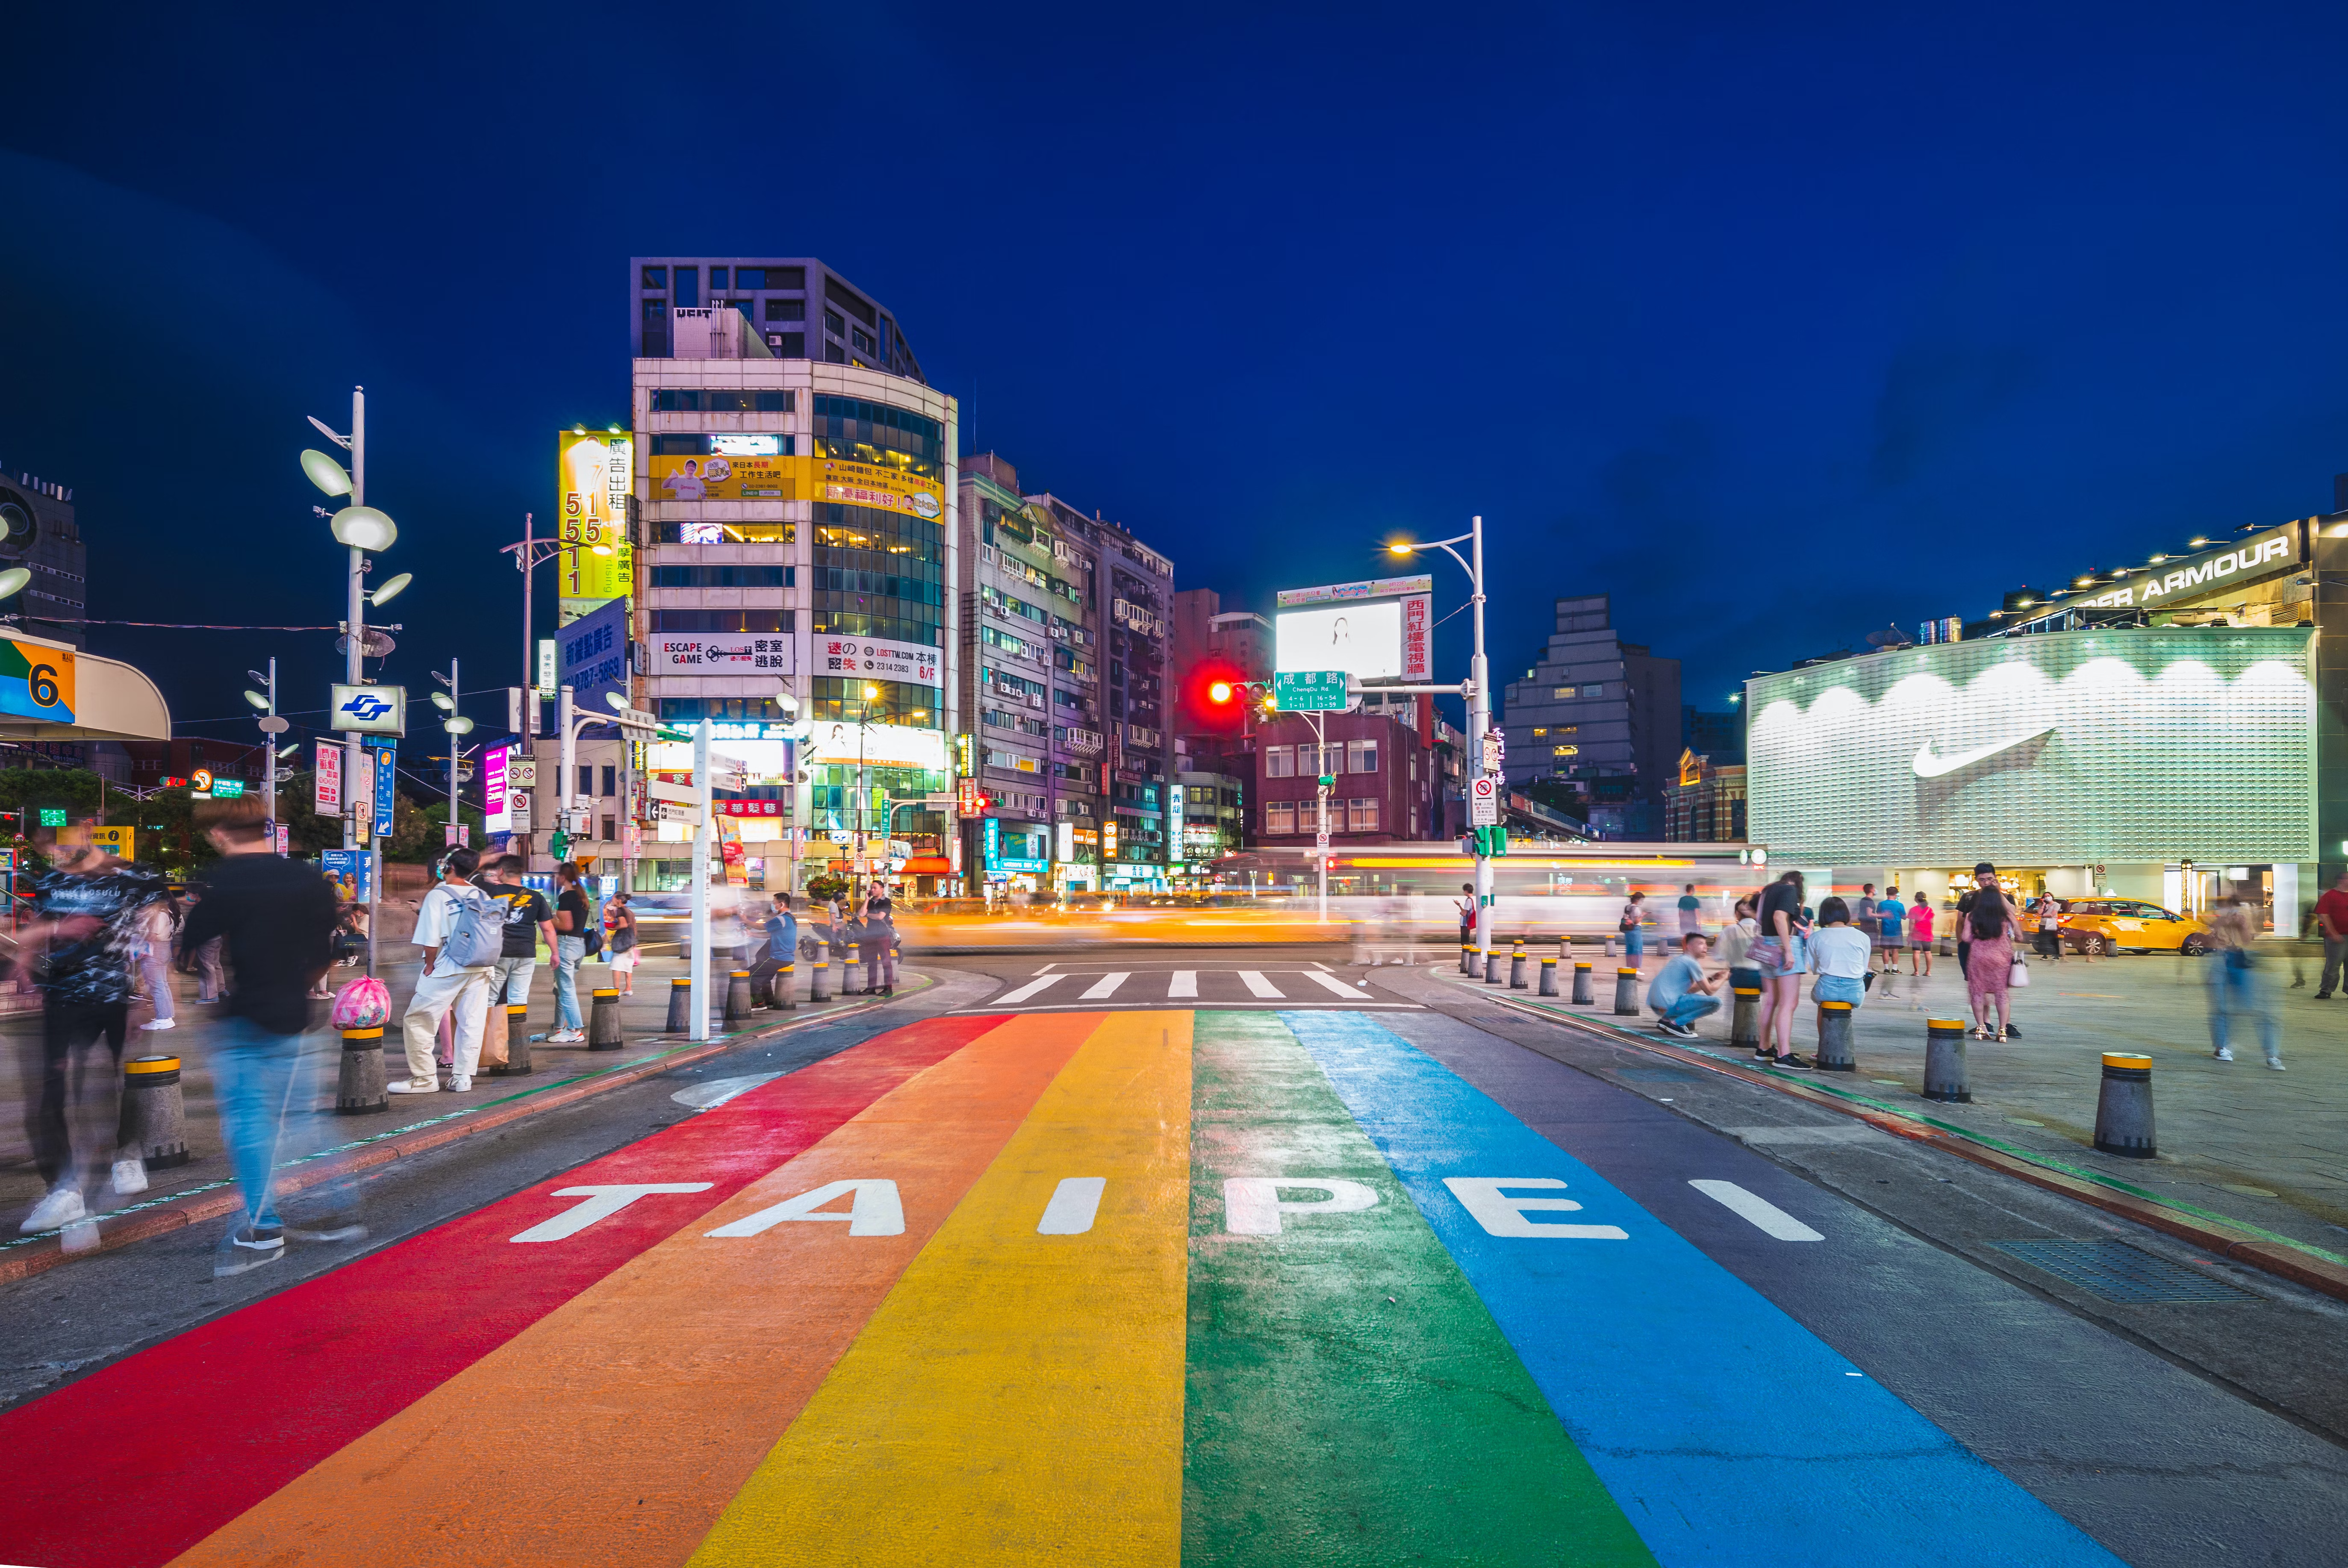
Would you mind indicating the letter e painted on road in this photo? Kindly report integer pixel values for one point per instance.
(1252, 1204)
(875, 1211)
(601, 1203)
(1501, 1215)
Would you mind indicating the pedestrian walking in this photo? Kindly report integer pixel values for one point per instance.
(572, 914)
(1866, 915)
(2236, 982)
(462, 932)
(1840, 955)
(1736, 939)
(212, 976)
(1781, 954)
(1985, 879)
(529, 919)
(621, 919)
(1920, 918)
(278, 918)
(1681, 992)
(2331, 925)
(880, 950)
(158, 932)
(1991, 923)
(2050, 928)
(1891, 928)
(1691, 910)
(1634, 928)
(89, 909)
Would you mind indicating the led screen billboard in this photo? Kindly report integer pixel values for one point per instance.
(1377, 631)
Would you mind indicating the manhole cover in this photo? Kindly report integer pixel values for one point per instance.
(2118, 1272)
(1660, 1074)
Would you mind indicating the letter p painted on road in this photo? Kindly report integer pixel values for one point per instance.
(1252, 1204)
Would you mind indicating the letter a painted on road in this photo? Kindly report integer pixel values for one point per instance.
(1252, 1205)
(875, 1211)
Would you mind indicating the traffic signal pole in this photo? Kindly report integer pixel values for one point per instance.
(1479, 721)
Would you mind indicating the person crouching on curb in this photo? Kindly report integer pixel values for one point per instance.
(1838, 957)
(1681, 993)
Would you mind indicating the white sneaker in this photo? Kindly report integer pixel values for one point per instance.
(565, 1037)
(2275, 1062)
(131, 1175)
(458, 1083)
(162, 1023)
(413, 1086)
(61, 1207)
(2222, 1055)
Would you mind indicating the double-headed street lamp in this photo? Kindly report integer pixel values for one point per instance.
(458, 727)
(1478, 690)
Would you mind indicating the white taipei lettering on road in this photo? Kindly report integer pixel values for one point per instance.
(1929, 766)
(876, 1211)
(601, 1203)
(1763, 1214)
(1252, 1204)
(1075, 1204)
(1502, 1214)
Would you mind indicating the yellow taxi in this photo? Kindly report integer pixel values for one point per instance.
(2100, 926)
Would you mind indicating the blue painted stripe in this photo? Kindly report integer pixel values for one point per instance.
(1729, 1433)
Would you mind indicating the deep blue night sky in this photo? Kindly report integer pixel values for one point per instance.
(1778, 324)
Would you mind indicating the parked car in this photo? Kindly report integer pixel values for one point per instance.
(2100, 926)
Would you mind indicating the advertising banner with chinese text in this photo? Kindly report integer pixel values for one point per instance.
(863, 658)
(595, 476)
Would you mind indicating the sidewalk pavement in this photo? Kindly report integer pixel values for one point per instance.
(642, 1021)
(2253, 1147)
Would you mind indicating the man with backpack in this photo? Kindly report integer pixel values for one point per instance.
(462, 932)
(527, 917)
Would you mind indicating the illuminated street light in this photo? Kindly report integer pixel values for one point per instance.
(258, 699)
(326, 473)
(12, 581)
(365, 529)
(442, 700)
(391, 590)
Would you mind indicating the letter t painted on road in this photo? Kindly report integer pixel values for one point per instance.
(601, 1203)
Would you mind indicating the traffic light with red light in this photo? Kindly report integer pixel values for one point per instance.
(1215, 697)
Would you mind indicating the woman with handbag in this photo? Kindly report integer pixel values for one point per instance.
(623, 922)
(1989, 969)
(1781, 954)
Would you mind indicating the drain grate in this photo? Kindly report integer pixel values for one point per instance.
(2116, 1271)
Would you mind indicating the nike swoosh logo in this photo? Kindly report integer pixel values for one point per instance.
(1929, 766)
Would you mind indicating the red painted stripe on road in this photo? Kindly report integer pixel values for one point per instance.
(207, 1424)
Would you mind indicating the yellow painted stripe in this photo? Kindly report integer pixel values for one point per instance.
(1018, 1397)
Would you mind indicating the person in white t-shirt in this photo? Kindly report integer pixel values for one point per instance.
(443, 988)
(1840, 955)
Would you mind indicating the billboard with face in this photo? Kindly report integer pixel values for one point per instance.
(1377, 631)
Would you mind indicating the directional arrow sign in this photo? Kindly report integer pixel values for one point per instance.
(669, 811)
(684, 795)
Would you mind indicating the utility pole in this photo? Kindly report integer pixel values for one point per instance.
(698, 998)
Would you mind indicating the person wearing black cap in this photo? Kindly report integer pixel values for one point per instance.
(1984, 877)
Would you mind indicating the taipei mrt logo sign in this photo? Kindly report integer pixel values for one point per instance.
(370, 710)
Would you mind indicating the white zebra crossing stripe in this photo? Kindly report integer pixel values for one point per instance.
(1031, 988)
(1106, 986)
(1183, 983)
(1334, 984)
(1257, 984)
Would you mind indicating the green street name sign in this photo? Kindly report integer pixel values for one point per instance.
(1310, 691)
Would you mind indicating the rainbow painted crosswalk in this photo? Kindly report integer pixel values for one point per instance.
(1148, 1287)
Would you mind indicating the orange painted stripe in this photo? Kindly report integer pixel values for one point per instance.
(616, 1429)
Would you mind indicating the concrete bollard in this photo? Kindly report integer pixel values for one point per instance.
(1834, 1038)
(154, 1117)
(2124, 1107)
(1626, 993)
(603, 1019)
(1467, 959)
(1517, 968)
(737, 996)
(1584, 992)
(847, 969)
(784, 984)
(1947, 947)
(1944, 1061)
(1611, 950)
(1745, 1018)
(1492, 966)
(680, 1006)
(1549, 977)
(517, 1062)
(360, 1091)
(820, 983)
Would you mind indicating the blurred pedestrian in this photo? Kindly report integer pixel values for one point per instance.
(89, 910)
(1921, 919)
(1691, 912)
(1991, 921)
(158, 931)
(1634, 928)
(212, 976)
(2237, 984)
(279, 920)
(622, 919)
(1866, 914)
(2331, 925)
(782, 943)
(461, 930)
(1681, 992)
(1466, 907)
(1782, 957)
(572, 914)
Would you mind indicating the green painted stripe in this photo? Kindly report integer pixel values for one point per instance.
(1348, 1397)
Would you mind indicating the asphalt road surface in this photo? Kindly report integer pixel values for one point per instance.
(1255, 1257)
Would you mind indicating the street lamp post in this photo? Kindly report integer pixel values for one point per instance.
(1479, 692)
(457, 726)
